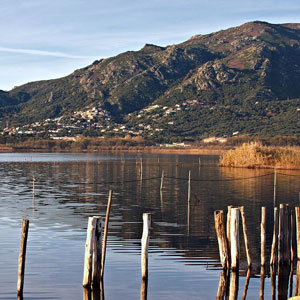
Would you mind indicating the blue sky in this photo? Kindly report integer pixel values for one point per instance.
(42, 39)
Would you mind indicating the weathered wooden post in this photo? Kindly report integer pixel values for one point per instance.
(234, 238)
(105, 232)
(189, 201)
(275, 238)
(97, 253)
(292, 235)
(297, 212)
(222, 239)
(275, 183)
(93, 253)
(22, 257)
(263, 236)
(245, 236)
(141, 168)
(145, 244)
(297, 283)
(228, 222)
(281, 237)
(162, 180)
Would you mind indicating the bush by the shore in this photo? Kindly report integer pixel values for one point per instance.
(255, 155)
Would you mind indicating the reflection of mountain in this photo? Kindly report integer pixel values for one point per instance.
(68, 192)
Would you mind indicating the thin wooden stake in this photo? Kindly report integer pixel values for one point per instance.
(245, 236)
(145, 244)
(292, 236)
(297, 212)
(162, 180)
(141, 169)
(263, 237)
(22, 257)
(222, 240)
(234, 238)
(275, 238)
(105, 233)
(275, 183)
(189, 200)
(228, 231)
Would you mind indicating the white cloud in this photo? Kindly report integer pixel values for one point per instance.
(42, 53)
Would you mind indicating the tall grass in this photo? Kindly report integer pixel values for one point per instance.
(255, 155)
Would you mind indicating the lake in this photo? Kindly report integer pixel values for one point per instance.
(183, 253)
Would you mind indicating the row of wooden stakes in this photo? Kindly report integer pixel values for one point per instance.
(286, 221)
(285, 232)
(95, 251)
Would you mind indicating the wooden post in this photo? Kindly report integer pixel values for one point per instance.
(22, 257)
(281, 236)
(93, 253)
(297, 212)
(292, 235)
(162, 180)
(234, 238)
(222, 240)
(241, 208)
(287, 235)
(97, 253)
(145, 244)
(33, 189)
(141, 169)
(189, 200)
(87, 275)
(228, 232)
(263, 236)
(275, 183)
(105, 232)
(297, 283)
(275, 238)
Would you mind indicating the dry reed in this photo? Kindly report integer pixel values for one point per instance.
(255, 155)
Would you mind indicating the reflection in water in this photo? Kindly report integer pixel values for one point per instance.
(223, 288)
(234, 286)
(262, 283)
(144, 288)
(246, 284)
(76, 186)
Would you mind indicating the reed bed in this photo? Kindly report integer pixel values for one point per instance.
(256, 155)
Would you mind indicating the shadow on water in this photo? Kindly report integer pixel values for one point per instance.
(229, 283)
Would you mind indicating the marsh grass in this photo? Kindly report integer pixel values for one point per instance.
(255, 155)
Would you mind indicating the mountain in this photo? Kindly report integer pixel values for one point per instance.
(243, 80)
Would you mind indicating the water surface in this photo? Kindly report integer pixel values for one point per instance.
(183, 258)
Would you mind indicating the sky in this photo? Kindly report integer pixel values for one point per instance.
(45, 39)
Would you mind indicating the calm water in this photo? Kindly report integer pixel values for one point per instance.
(183, 258)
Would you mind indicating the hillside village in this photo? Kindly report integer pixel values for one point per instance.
(98, 122)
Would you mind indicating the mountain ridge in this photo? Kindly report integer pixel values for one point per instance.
(242, 79)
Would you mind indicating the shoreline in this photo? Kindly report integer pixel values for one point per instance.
(154, 150)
